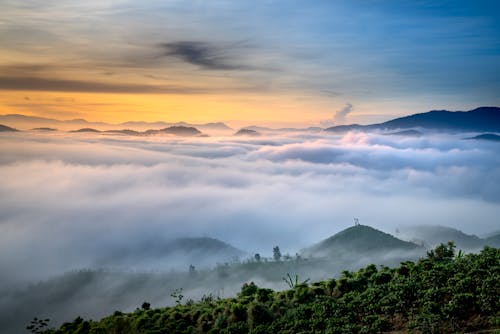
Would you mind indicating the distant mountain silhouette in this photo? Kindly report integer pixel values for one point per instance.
(178, 253)
(486, 136)
(86, 130)
(29, 122)
(44, 129)
(127, 132)
(247, 132)
(216, 126)
(5, 128)
(433, 235)
(359, 240)
(177, 130)
(203, 245)
(483, 119)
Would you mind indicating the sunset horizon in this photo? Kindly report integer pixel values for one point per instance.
(249, 167)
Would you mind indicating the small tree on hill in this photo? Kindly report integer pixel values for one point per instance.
(276, 253)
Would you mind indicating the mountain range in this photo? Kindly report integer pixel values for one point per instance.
(432, 235)
(29, 122)
(482, 119)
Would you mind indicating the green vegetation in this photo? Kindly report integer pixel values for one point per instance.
(359, 239)
(441, 293)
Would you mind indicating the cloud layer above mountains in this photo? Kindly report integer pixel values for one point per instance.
(70, 200)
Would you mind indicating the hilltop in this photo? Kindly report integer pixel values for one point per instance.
(361, 240)
(247, 132)
(202, 252)
(90, 130)
(44, 129)
(177, 130)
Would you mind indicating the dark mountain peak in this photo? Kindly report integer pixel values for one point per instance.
(482, 119)
(485, 110)
(181, 130)
(86, 130)
(44, 129)
(5, 128)
(177, 130)
(127, 132)
(247, 132)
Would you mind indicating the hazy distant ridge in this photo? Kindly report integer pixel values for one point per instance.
(482, 119)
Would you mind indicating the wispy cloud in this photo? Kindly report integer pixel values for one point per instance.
(339, 117)
(61, 85)
(203, 54)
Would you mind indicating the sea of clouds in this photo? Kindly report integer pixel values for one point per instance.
(70, 200)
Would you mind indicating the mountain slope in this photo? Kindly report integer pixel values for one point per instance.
(86, 130)
(5, 128)
(177, 130)
(433, 235)
(482, 119)
(493, 241)
(359, 240)
(174, 254)
(247, 132)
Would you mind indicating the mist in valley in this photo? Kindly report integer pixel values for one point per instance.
(93, 223)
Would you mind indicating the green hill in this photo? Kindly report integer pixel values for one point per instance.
(360, 240)
(438, 294)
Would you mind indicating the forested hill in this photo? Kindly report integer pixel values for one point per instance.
(442, 293)
(361, 240)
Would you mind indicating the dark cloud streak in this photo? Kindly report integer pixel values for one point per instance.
(205, 55)
(26, 83)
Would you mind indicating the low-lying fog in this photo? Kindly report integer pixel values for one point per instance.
(72, 201)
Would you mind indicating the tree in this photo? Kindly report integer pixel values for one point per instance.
(38, 325)
(276, 253)
(257, 257)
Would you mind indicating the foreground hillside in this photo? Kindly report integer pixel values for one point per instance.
(442, 293)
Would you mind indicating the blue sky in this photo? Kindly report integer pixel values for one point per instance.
(386, 58)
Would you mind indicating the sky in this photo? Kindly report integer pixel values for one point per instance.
(273, 63)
